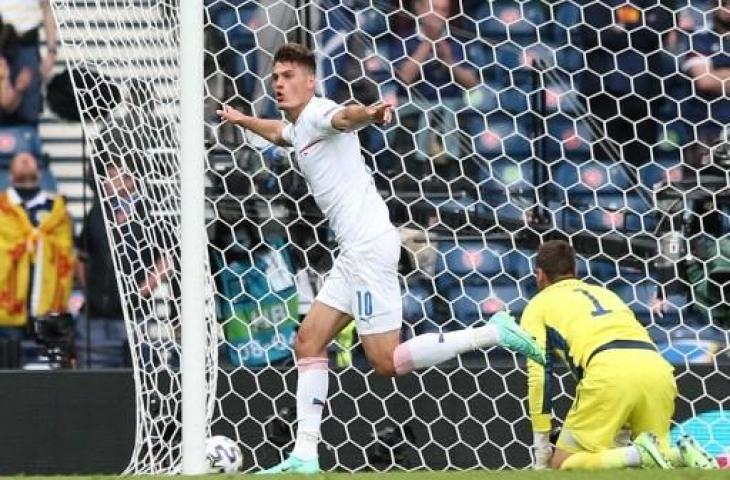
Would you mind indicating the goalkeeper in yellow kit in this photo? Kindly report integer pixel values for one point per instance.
(623, 383)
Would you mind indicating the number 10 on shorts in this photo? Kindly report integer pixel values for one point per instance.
(364, 304)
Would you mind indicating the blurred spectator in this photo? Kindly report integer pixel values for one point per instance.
(23, 139)
(36, 257)
(620, 86)
(12, 89)
(709, 65)
(140, 136)
(134, 232)
(431, 75)
(434, 55)
(709, 276)
(102, 318)
(236, 21)
(142, 262)
(25, 72)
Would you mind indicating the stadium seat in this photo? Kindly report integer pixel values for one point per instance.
(513, 100)
(512, 296)
(564, 174)
(236, 24)
(512, 19)
(508, 190)
(598, 219)
(510, 173)
(558, 97)
(472, 304)
(510, 211)
(645, 293)
(418, 305)
(517, 264)
(601, 270)
(472, 264)
(581, 266)
(632, 273)
(569, 58)
(678, 311)
(466, 305)
(372, 21)
(667, 165)
(477, 302)
(567, 14)
(637, 296)
(609, 198)
(566, 138)
(16, 139)
(624, 290)
(503, 137)
(479, 53)
(588, 177)
(509, 55)
(470, 261)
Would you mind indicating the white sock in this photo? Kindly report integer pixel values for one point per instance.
(312, 386)
(633, 458)
(433, 348)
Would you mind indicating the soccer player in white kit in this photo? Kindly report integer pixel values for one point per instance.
(363, 283)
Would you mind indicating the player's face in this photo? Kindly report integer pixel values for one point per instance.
(293, 85)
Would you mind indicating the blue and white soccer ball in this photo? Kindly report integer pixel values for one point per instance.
(223, 455)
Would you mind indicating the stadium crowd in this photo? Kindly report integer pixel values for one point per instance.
(604, 121)
(37, 233)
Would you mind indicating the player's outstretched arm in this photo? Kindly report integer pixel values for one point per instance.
(271, 130)
(354, 117)
(537, 385)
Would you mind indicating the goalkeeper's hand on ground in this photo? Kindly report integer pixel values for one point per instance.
(543, 450)
(623, 437)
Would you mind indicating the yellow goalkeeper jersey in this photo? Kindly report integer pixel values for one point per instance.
(572, 319)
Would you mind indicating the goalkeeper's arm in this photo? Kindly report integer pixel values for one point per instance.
(271, 130)
(538, 379)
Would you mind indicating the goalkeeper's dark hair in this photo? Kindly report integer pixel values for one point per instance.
(296, 53)
(556, 258)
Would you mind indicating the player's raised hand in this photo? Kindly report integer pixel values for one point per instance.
(229, 114)
(381, 112)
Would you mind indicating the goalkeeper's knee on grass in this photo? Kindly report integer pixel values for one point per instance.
(645, 452)
(608, 459)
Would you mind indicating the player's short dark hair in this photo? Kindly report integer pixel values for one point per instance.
(556, 258)
(296, 53)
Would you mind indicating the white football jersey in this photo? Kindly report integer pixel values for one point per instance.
(337, 176)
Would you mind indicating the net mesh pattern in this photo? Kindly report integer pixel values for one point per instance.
(516, 121)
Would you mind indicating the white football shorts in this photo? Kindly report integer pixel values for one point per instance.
(364, 284)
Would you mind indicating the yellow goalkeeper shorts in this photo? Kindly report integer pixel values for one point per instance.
(632, 388)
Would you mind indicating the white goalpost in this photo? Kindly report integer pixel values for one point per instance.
(511, 130)
(193, 241)
(171, 326)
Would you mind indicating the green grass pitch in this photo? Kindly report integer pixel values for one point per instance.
(470, 475)
(520, 475)
(531, 475)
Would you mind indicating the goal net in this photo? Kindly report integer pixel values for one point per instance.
(517, 121)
